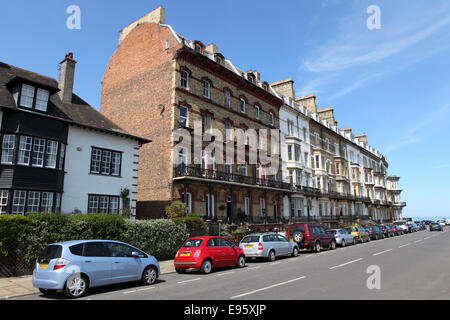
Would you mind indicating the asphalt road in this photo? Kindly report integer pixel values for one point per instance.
(413, 266)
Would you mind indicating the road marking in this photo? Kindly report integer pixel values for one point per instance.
(405, 245)
(145, 289)
(417, 241)
(426, 238)
(187, 281)
(377, 254)
(345, 264)
(253, 268)
(224, 274)
(266, 288)
(128, 292)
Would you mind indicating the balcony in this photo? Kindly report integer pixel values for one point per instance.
(198, 172)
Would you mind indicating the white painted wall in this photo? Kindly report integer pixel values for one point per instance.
(78, 182)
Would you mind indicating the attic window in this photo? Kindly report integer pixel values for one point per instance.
(34, 98)
(251, 78)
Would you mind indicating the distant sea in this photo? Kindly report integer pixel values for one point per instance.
(429, 218)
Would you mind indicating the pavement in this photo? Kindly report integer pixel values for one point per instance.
(15, 287)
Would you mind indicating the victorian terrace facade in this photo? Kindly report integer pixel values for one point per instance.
(166, 84)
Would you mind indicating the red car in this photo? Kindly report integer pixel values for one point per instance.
(206, 253)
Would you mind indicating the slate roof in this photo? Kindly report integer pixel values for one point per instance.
(78, 112)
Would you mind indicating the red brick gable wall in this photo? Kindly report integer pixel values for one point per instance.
(139, 79)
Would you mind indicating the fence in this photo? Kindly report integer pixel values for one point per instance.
(12, 265)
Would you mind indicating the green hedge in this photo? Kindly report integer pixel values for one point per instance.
(32, 234)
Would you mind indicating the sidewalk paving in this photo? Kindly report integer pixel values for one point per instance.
(20, 286)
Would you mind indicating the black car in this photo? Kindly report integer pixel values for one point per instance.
(387, 231)
(375, 232)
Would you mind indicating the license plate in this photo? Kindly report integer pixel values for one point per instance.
(185, 255)
(249, 247)
(43, 266)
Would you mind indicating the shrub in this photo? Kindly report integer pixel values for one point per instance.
(11, 227)
(176, 209)
(160, 238)
(195, 225)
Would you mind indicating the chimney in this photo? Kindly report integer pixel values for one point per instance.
(347, 132)
(285, 87)
(362, 138)
(212, 48)
(309, 102)
(327, 114)
(66, 78)
(156, 16)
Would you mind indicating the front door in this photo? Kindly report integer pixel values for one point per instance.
(124, 266)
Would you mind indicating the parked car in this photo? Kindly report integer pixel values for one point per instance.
(397, 230)
(375, 232)
(342, 236)
(443, 224)
(387, 230)
(76, 266)
(207, 253)
(310, 236)
(434, 226)
(414, 227)
(403, 226)
(359, 232)
(268, 246)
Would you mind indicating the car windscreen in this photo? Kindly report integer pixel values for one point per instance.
(250, 239)
(193, 243)
(331, 231)
(400, 223)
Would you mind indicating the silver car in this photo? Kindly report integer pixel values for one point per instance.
(342, 236)
(268, 246)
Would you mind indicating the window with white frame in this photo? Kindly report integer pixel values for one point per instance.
(8, 145)
(227, 96)
(27, 96)
(38, 152)
(242, 104)
(106, 162)
(47, 202)
(19, 201)
(62, 155)
(289, 150)
(257, 109)
(51, 154)
(3, 201)
(206, 89)
(184, 80)
(42, 100)
(34, 198)
(183, 120)
(103, 204)
(25, 146)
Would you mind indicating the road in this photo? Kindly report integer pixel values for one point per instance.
(413, 266)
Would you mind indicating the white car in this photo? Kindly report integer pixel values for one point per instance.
(403, 226)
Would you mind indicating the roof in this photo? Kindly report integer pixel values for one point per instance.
(78, 112)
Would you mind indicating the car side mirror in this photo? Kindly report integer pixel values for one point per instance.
(135, 254)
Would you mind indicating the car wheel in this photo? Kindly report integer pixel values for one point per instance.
(47, 292)
(150, 275)
(317, 247)
(295, 252)
(76, 286)
(343, 243)
(354, 242)
(180, 270)
(298, 237)
(271, 256)
(333, 245)
(241, 262)
(376, 237)
(206, 267)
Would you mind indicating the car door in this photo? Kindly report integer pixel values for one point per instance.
(324, 237)
(124, 266)
(284, 245)
(215, 252)
(228, 251)
(96, 263)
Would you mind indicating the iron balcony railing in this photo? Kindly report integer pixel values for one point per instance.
(198, 172)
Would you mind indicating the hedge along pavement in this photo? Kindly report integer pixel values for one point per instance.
(160, 238)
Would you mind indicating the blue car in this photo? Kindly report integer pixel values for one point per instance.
(436, 227)
(76, 266)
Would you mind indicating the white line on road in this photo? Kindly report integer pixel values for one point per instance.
(377, 254)
(181, 282)
(417, 241)
(405, 245)
(426, 238)
(128, 292)
(345, 264)
(266, 288)
(224, 274)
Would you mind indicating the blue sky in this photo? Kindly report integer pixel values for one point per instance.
(392, 83)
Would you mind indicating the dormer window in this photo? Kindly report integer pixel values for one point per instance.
(251, 78)
(34, 98)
